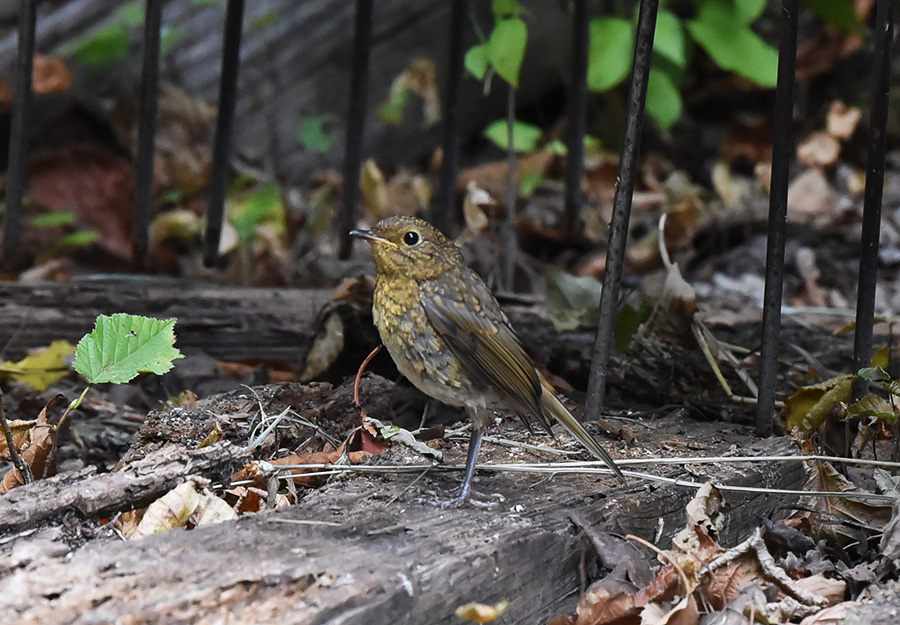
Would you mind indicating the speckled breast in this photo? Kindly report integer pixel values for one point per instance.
(418, 351)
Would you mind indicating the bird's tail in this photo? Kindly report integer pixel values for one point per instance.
(552, 406)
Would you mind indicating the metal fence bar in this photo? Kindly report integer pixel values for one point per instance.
(231, 56)
(618, 227)
(444, 215)
(782, 153)
(356, 123)
(578, 95)
(871, 224)
(18, 143)
(143, 183)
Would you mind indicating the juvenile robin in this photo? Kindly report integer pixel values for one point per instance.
(448, 336)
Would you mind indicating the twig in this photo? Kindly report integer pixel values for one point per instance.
(17, 461)
(356, 383)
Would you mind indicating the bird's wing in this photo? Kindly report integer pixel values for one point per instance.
(477, 332)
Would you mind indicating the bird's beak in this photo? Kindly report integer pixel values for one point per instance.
(368, 235)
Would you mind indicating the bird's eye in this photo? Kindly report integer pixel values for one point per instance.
(411, 238)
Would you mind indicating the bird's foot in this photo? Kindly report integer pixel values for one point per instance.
(459, 496)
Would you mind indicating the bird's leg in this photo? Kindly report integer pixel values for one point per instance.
(426, 412)
(464, 492)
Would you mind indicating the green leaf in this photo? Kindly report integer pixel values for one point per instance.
(530, 183)
(505, 8)
(807, 408)
(746, 10)
(572, 301)
(53, 220)
(872, 406)
(263, 206)
(629, 320)
(391, 112)
(839, 13)
(169, 36)
(265, 20)
(663, 99)
(525, 136)
(122, 346)
(102, 47)
(669, 41)
(312, 134)
(82, 238)
(610, 50)
(476, 61)
(733, 45)
(506, 49)
(130, 15)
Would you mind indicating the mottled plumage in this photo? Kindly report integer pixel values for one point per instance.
(447, 334)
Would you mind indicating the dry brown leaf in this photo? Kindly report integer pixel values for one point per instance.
(811, 200)
(841, 121)
(127, 522)
(819, 149)
(169, 511)
(831, 589)
(481, 613)
(51, 75)
(374, 190)
(685, 612)
(598, 607)
(21, 431)
(726, 582)
(252, 471)
(834, 615)
(39, 454)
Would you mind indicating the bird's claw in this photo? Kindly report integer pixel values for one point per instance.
(460, 496)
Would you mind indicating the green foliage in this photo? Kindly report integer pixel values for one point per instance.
(572, 301)
(608, 58)
(669, 41)
(525, 136)
(111, 42)
(476, 61)
(53, 220)
(506, 48)
(839, 13)
(82, 238)
(722, 29)
(312, 134)
(261, 206)
(122, 346)
(663, 98)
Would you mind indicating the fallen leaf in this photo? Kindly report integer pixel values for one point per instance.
(169, 511)
(841, 121)
(600, 607)
(572, 301)
(685, 612)
(39, 454)
(811, 200)
(807, 408)
(726, 582)
(42, 367)
(481, 613)
(835, 615)
(819, 149)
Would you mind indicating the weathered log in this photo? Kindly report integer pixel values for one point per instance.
(358, 551)
(138, 484)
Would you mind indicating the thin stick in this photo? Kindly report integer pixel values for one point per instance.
(17, 461)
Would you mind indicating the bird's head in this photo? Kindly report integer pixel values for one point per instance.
(410, 247)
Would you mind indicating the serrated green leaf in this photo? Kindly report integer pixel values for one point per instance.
(663, 99)
(312, 134)
(476, 61)
(525, 136)
(122, 346)
(53, 220)
(721, 32)
(506, 49)
(807, 408)
(669, 41)
(610, 50)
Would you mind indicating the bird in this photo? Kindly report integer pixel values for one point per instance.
(447, 334)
